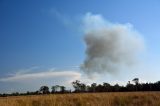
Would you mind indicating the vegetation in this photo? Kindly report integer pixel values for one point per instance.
(88, 95)
(86, 99)
(94, 87)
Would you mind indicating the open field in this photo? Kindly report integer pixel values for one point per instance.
(86, 99)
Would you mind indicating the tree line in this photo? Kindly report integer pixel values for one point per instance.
(106, 87)
(80, 87)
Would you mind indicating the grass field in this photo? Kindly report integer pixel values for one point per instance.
(86, 99)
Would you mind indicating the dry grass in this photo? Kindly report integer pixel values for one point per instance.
(86, 99)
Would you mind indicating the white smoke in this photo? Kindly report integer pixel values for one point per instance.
(109, 46)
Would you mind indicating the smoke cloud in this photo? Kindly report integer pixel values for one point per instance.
(109, 46)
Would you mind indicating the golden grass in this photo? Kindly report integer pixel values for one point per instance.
(86, 99)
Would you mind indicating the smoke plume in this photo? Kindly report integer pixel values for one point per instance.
(109, 46)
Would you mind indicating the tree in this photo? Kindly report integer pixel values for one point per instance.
(106, 86)
(136, 81)
(44, 89)
(53, 89)
(116, 88)
(99, 88)
(15, 93)
(129, 86)
(62, 89)
(83, 87)
(93, 87)
(88, 88)
(79, 87)
(76, 84)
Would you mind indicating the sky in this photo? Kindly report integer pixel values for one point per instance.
(42, 41)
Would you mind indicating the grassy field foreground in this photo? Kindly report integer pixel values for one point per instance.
(86, 99)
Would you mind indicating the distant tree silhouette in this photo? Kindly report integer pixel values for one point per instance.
(57, 88)
(106, 87)
(15, 94)
(76, 84)
(94, 87)
(83, 87)
(62, 89)
(136, 81)
(130, 87)
(79, 87)
(44, 89)
(53, 89)
(99, 88)
(116, 88)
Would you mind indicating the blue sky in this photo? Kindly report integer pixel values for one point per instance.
(37, 36)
